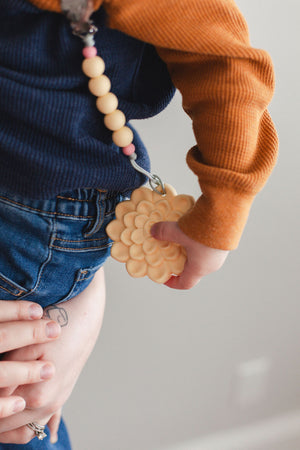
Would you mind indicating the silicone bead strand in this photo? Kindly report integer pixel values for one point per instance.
(99, 85)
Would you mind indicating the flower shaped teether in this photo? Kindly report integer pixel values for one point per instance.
(133, 243)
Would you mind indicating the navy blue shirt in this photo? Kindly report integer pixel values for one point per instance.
(52, 137)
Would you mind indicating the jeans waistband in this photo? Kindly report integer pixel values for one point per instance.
(80, 203)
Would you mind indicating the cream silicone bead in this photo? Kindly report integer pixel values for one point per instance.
(115, 121)
(122, 137)
(100, 86)
(93, 67)
(107, 104)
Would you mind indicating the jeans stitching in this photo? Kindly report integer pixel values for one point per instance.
(15, 295)
(110, 212)
(81, 248)
(101, 216)
(46, 262)
(81, 240)
(11, 284)
(74, 286)
(54, 213)
(73, 199)
(77, 199)
(83, 279)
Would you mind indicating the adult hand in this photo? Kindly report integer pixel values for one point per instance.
(201, 260)
(81, 319)
(19, 327)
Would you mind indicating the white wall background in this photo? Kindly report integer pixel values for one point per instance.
(164, 373)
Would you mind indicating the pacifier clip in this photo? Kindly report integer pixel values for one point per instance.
(130, 231)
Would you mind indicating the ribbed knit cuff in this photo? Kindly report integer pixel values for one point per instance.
(218, 218)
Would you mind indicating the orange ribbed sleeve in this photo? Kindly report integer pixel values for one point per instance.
(226, 86)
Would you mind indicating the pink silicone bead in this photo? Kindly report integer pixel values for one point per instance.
(89, 52)
(129, 149)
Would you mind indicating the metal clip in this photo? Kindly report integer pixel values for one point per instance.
(78, 12)
(155, 182)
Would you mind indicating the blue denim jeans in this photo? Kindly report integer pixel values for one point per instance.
(51, 249)
(49, 253)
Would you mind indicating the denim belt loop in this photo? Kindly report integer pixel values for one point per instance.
(100, 213)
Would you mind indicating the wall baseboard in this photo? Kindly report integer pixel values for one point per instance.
(260, 435)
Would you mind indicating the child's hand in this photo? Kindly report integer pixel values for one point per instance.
(201, 260)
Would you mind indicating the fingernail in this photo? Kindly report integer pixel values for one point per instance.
(47, 371)
(52, 329)
(54, 439)
(153, 229)
(35, 311)
(19, 405)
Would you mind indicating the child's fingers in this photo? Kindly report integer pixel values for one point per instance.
(170, 231)
(167, 231)
(201, 260)
(53, 426)
(186, 280)
(180, 283)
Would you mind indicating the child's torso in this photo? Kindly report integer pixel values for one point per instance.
(51, 133)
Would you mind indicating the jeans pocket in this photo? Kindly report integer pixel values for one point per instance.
(24, 249)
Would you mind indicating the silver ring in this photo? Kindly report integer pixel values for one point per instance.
(39, 430)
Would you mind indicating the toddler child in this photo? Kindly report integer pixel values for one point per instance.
(61, 173)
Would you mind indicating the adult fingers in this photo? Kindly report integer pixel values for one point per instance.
(17, 426)
(11, 405)
(19, 310)
(21, 435)
(31, 353)
(53, 426)
(20, 334)
(19, 373)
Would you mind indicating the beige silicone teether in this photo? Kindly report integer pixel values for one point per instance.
(133, 243)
